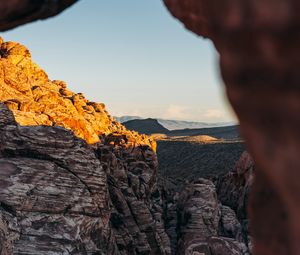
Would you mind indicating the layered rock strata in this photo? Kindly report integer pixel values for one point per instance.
(75, 181)
(211, 218)
(257, 42)
(200, 217)
(60, 195)
(136, 204)
(234, 188)
(53, 194)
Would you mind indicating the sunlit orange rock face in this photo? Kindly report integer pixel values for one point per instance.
(258, 42)
(35, 100)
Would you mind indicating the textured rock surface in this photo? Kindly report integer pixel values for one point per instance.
(60, 195)
(233, 190)
(259, 58)
(53, 192)
(204, 225)
(135, 224)
(258, 45)
(35, 100)
(136, 202)
(266, 63)
(18, 12)
(211, 217)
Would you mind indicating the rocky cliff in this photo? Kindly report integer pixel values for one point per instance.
(73, 180)
(36, 100)
(53, 194)
(60, 195)
(233, 189)
(259, 55)
(210, 217)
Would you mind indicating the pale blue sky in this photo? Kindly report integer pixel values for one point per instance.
(132, 56)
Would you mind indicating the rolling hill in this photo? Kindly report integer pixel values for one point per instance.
(229, 132)
(177, 124)
(153, 126)
(146, 126)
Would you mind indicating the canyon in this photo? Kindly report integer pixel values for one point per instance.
(257, 42)
(75, 181)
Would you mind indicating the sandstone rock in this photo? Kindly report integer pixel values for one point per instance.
(203, 221)
(234, 190)
(53, 192)
(193, 13)
(259, 55)
(224, 246)
(59, 195)
(7, 117)
(200, 211)
(18, 12)
(137, 211)
(35, 100)
(230, 226)
(257, 42)
(234, 187)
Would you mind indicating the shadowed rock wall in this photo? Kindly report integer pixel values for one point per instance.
(258, 42)
(18, 12)
(59, 195)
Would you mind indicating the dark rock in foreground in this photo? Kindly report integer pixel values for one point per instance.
(60, 195)
(19, 12)
(57, 197)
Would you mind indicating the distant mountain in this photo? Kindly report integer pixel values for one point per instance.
(127, 118)
(153, 126)
(178, 124)
(146, 126)
(227, 133)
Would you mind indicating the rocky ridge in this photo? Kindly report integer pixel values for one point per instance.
(259, 68)
(59, 192)
(74, 181)
(36, 100)
(60, 195)
(63, 196)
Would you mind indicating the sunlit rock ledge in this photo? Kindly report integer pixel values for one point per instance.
(36, 100)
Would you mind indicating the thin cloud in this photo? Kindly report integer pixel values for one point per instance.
(177, 112)
(214, 114)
